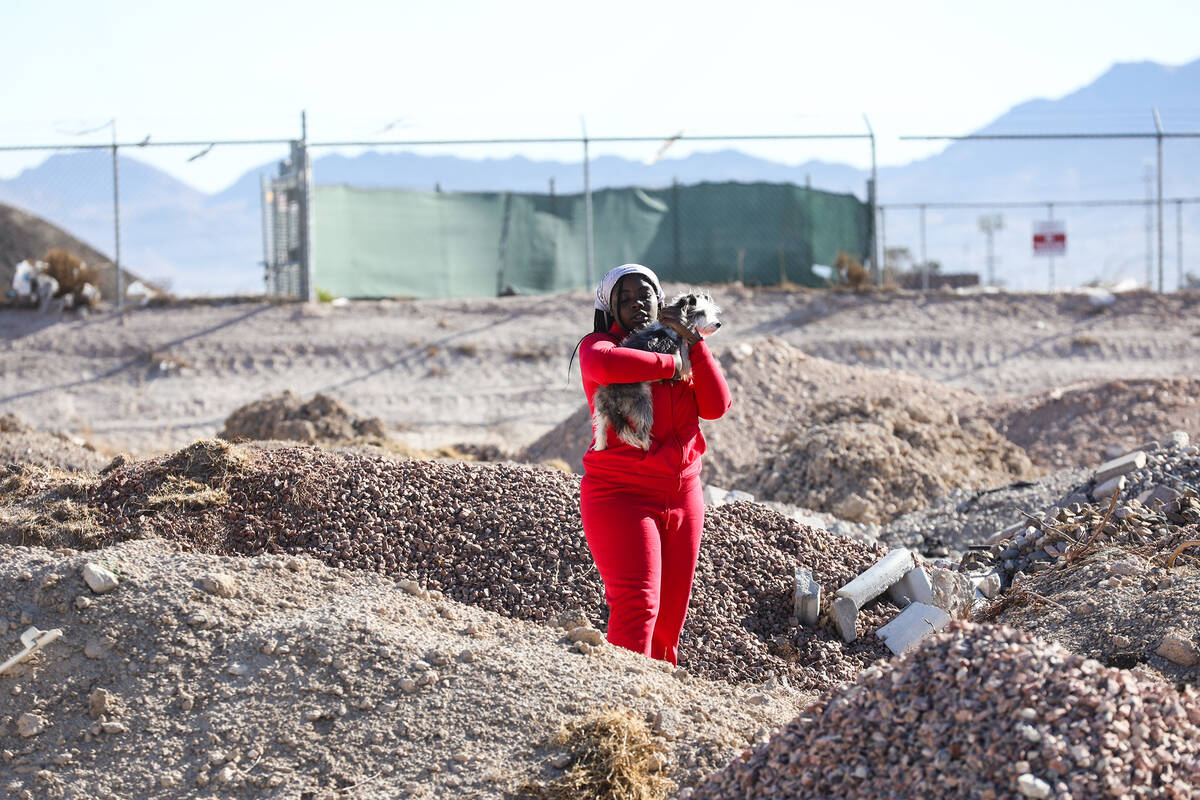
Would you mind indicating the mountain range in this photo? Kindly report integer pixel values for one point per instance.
(202, 243)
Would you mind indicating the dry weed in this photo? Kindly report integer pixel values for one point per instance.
(177, 493)
(613, 757)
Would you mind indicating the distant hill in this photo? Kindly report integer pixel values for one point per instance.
(212, 244)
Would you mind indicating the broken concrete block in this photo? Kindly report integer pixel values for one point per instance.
(99, 579)
(987, 584)
(866, 587)
(852, 507)
(1158, 496)
(1178, 648)
(806, 600)
(845, 618)
(1119, 466)
(912, 625)
(714, 495)
(1177, 440)
(1105, 490)
(914, 587)
(1007, 533)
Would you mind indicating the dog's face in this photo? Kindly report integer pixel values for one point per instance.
(699, 311)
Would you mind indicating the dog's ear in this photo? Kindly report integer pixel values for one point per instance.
(691, 300)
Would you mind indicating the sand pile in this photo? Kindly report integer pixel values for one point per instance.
(505, 538)
(20, 443)
(981, 712)
(285, 417)
(870, 460)
(1079, 427)
(280, 677)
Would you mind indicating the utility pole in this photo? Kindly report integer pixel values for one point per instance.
(989, 224)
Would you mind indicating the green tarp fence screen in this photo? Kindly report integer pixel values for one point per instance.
(400, 243)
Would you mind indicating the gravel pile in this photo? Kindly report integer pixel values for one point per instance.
(506, 538)
(286, 417)
(279, 677)
(986, 712)
(870, 460)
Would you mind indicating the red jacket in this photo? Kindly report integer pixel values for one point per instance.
(676, 443)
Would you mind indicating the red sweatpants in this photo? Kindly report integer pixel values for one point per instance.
(645, 543)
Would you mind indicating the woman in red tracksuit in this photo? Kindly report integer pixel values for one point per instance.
(643, 511)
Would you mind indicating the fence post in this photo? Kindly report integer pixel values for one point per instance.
(1159, 137)
(263, 205)
(924, 260)
(589, 254)
(117, 219)
(675, 227)
(872, 199)
(307, 290)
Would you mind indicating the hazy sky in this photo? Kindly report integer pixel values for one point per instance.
(461, 69)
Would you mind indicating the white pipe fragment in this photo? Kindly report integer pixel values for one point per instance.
(912, 625)
(806, 601)
(866, 587)
(33, 640)
(914, 587)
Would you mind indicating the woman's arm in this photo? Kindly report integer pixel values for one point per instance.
(603, 361)
(712, 393)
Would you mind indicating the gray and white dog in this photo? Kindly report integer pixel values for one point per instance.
(627, 407)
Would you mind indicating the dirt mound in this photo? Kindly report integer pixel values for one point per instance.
(566, 442)
(21, 444)
(286, 417)
(1119, 587)
(774, 386)
(502, 537)
(26, 237)
(981, 712)
(1078, 427)
(870, 460)
(280, 677)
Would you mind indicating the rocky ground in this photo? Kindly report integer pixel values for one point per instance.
(432, 626)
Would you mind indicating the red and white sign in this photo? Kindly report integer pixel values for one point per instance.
(1049, 238)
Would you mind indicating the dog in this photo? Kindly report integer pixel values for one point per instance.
(627, 407)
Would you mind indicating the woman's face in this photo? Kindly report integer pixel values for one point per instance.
(636, 302)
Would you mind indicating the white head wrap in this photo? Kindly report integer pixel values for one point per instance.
(609, 282)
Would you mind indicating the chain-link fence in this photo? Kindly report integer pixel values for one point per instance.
(168, 236)
(392, 223)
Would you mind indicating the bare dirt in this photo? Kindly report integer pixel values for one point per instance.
(413, 649)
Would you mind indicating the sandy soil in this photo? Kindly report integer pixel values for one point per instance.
(494, 371)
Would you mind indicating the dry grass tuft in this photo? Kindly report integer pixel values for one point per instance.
(613, 757)
(850, 271)
(213, 461)
(46, 507)
(177, 493)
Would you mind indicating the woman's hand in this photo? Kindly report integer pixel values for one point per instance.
(672, 317)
